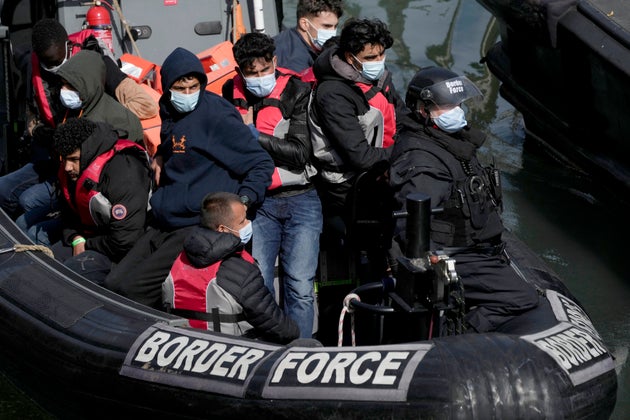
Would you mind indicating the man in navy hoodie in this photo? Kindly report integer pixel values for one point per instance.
(205, 147)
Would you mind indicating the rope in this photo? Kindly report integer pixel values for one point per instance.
(41, 248)
(126, 26)
(349, 309)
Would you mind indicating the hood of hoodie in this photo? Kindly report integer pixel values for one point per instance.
(204, 246)
(179, 63)
(330, 66)
(102, 139)
(85, 71)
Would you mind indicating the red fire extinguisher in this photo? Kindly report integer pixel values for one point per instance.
(98, 20)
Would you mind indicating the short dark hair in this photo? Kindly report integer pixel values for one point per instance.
(46, 33)
(315, 7)
(357, 33)
(70, 135)
(252, 46)
(216, 209)
(187, 77)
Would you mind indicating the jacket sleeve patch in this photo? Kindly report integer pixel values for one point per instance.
(119, 212)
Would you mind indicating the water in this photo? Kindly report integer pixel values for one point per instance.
(556, 211)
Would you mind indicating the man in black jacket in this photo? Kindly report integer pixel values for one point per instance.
(355, 110)
(436, 154)
(105, 185)
(289, 221)
(216, 284)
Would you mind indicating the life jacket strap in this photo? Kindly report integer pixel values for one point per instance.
(215, 317)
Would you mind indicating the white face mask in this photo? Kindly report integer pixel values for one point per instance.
(56, 68)
(261, 86)
(184, 102)
(70, 99)
(323, 35)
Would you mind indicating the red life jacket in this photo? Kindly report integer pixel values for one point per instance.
(41, 97)
(85, 192)
(269, 120)
(378, 99)
(193, 293)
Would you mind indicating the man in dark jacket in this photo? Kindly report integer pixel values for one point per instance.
(105, 184)
(355, 110)
(52, 48)
(83, 96)
(288, 224)
(298, 47)
(205, 148)
(436, 154)
(217, 284)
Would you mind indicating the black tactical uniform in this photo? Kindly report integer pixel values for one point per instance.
(444, 165)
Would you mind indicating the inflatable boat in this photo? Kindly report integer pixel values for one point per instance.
(82, 351)
(565, 65)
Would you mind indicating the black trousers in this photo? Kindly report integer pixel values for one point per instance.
(494, 292)
(140, 274)
(90, 264)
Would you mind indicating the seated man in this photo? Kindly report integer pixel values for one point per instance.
(216, 282)
(82, 95)
(105, 185)
(52, 48)
(436, 154)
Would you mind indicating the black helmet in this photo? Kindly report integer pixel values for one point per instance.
(439, 86)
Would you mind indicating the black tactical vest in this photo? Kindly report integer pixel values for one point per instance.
(471, 215)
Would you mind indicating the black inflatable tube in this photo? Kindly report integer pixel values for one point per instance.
(85, 352)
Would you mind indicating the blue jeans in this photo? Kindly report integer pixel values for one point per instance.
(40, 227)
(289, 227)
(14, 184)
(39, 203)
(42, 194)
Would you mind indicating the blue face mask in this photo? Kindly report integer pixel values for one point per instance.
(323, 35)
(261, 86)
(371, 70)
(70, 99)
(245, 233)
(184, 102)
(452, 120)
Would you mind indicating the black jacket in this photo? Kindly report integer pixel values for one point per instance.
(125, 181)
(294, 150)
(441, 165)
(338, 102)
(243, 281)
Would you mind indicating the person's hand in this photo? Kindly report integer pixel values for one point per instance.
(249, 117)
(156, 167)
